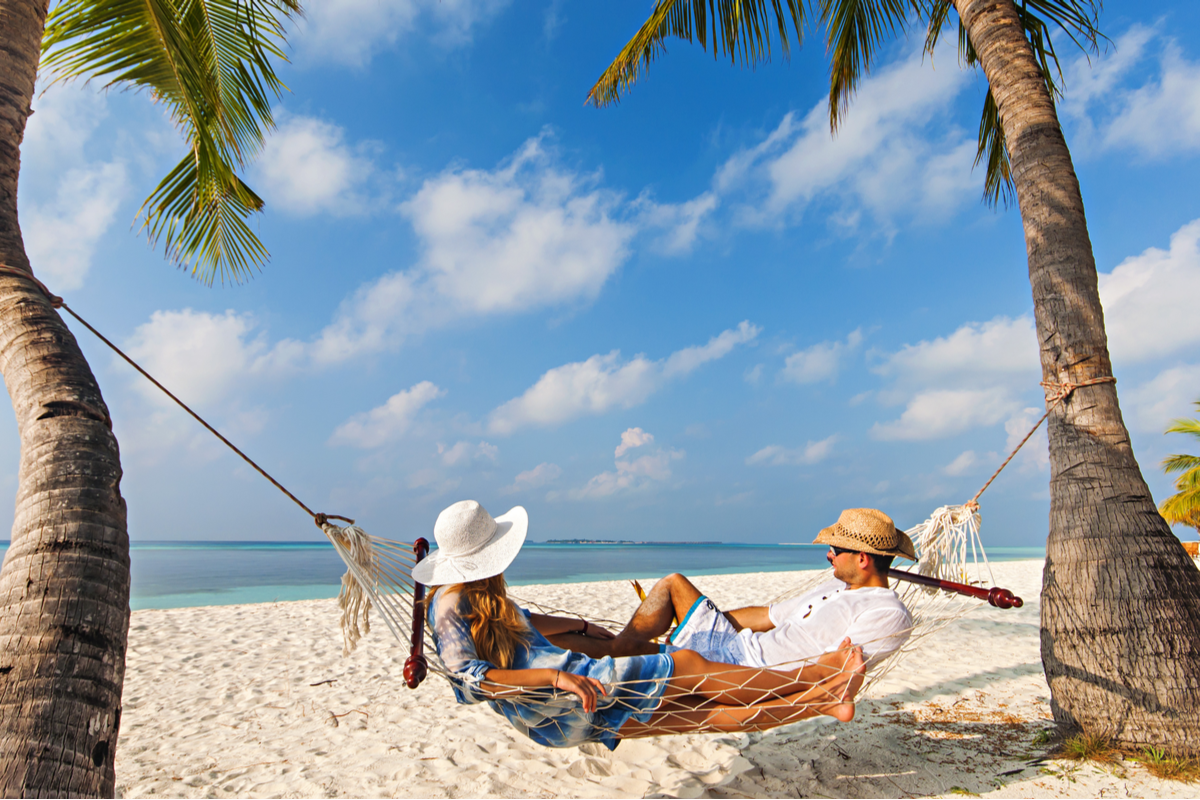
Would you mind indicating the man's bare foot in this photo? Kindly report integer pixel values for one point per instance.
(845, 682)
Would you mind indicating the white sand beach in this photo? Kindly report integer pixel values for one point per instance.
(257, 701)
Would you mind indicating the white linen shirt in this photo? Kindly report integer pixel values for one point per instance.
(817, 622)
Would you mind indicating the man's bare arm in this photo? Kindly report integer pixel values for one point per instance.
(753, 617)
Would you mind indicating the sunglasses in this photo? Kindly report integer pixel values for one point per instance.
(837, 551)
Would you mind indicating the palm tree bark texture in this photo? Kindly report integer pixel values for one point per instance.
(1120, 625)
(64, 586)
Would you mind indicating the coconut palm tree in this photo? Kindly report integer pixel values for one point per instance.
(1183, 507)
(1120, 602)
(64, 586)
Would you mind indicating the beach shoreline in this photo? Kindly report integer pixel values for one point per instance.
(257, 701)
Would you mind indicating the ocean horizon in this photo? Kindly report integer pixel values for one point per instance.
(180, 574)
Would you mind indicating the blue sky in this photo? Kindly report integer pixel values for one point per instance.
(692, 316)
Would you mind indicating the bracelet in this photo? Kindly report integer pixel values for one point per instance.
(583, 631)
(557, 675)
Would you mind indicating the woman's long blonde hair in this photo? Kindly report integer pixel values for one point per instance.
(498, 627)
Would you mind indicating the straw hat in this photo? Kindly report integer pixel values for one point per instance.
(471, 545)
(866, 530)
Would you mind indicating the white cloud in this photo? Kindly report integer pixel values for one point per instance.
(1150, 300)
(996, 359)
(306, 168)
(467, 453)
(987, 352)
(65, 117)
(1091, 78)
(1162, 118)
(1035, 453)
(583, 387)
(351, 32)
(1149, 314)
(685, 361)
(387, 422)
(432, 482)
(680, 221)
(212, 362)
(821, 361)
(375, 318)
(540, 475)
(940, 413)
(61, 236)
(524, 235)
(1156, 119)
(67, 200)
(894, 151)
(963, 464)
(1168, 395)
(631, 438)
(202, 357)
(631, 474)
(778, 456)
(604, 382)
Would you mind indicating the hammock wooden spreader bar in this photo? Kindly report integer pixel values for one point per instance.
(416, 666)
(1000, 598)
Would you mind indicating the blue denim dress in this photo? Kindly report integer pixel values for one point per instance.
(634, 685)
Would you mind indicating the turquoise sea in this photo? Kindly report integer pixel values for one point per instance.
(180, 574)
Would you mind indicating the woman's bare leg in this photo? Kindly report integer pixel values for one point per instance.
(727, 684)
(833, 696)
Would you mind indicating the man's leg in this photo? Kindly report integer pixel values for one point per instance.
(671, 598)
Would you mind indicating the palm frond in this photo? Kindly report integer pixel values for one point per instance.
(1188, 426)
(993, 150)
(739, 29)
(1183, 507)
(1180, 463)
(210, 63)
(1077, 18)
(937, 15)
(857, 30)
(203, 217)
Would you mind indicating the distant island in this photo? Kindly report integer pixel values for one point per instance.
(614, 541)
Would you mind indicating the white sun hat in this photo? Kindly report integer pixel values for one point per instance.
(471, 545)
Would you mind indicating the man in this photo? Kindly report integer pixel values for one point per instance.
(857, 604)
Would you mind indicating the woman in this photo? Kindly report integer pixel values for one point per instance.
(499, 653)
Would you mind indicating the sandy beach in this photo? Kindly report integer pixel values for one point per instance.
(258, 701)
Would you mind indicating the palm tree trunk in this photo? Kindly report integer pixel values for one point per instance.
(64, 586)
(1120, 600)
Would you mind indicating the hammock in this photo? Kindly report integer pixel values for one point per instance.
(378, 576)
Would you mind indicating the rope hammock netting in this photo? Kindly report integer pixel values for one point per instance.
(950, 579)
(949, 582)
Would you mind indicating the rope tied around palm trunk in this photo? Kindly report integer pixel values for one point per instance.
(1055, 393)
(57, 302)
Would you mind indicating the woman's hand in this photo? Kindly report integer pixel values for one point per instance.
(594, 631)
(588, 689)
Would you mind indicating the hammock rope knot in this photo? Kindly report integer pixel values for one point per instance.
(358, 584)
(1055, 393)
